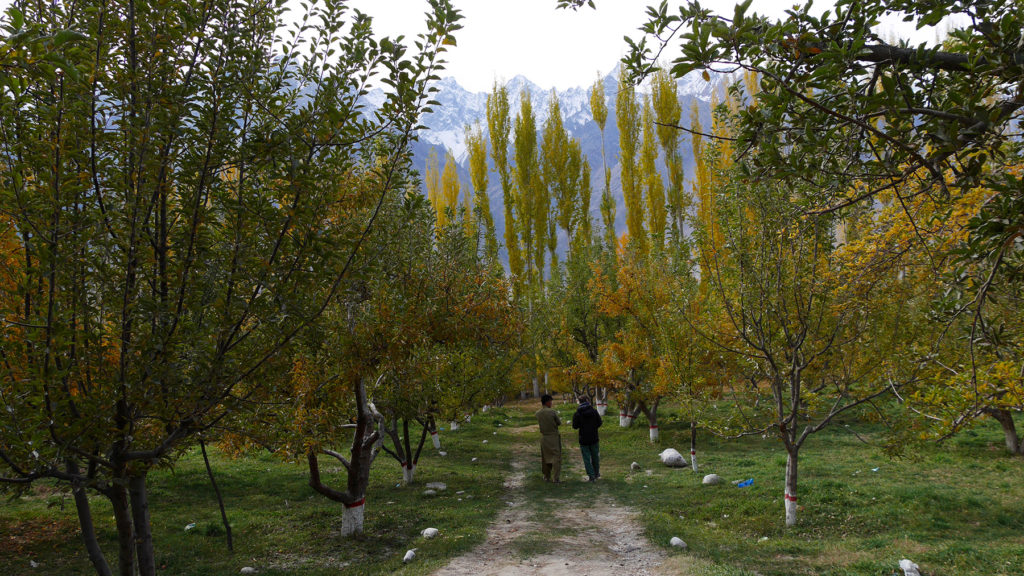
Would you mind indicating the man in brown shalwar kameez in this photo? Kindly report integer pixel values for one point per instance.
(551, 441)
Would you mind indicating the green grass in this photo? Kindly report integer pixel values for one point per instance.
(279, 524)
(955, 509)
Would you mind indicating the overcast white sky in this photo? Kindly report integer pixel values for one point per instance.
(553, 48)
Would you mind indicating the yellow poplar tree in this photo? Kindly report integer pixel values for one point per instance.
(627, 118)
(531, 197)
(476, 147)
(655, 191)
(432, 179)
(599, 109)
(667, 113)
(449, 190)
(499, 127)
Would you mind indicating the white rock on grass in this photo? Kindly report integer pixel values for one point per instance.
(430, 492)
(677, 542)
(439, 486)
(673, 459)
(712, 480)
(409, 555)
(909, 568)
(429, 533)
(247, 570)
(635, 466)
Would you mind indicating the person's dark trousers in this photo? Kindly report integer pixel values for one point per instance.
(591, 460)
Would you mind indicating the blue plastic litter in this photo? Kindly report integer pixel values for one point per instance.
(745, 483)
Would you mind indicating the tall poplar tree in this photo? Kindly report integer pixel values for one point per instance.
(599, 109)
(651, 179)
(531, 199)
(449, 190)
(476, 147)
(667, 114)
(499, 128)
(627, 118)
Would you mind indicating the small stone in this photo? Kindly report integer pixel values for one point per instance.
(909, 568)
(409, 555)
(473, 460)
(485, 441)
(429, 533)
(677, 542)
(635, 466)
(430, 492)
(247, 570)
(712, 480)
(673, 459)
(439, 486)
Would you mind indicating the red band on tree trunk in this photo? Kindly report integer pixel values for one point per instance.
(790, 498)
(356, 504)
(654, 427)
(693, 452)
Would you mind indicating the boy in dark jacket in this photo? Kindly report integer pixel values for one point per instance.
(587, 421)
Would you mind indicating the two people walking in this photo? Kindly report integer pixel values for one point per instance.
(586, 420)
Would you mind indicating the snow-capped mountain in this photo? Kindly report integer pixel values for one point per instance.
(446, 125)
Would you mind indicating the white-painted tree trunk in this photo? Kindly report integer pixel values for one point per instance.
(623, 419)
(486, 408)
(790, 495)
(536, 387)
(408, 473)
(436, 438)
(352, 519)
(602, 407)
(693, 460)
(455, 425)
(655, 436)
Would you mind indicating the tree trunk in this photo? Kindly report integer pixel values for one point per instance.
(652, 419)
(220, 499)
(140, 519)
(357, 469)
(118, 496)
(536, 386)
(790, 494)
(602, 401)
(1005, 419)
(693, 445)
(92, 545)
(352, 518)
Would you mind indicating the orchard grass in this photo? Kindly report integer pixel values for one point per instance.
(279, 525)
(956, 509)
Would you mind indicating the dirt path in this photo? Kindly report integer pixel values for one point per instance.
(545, 534)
